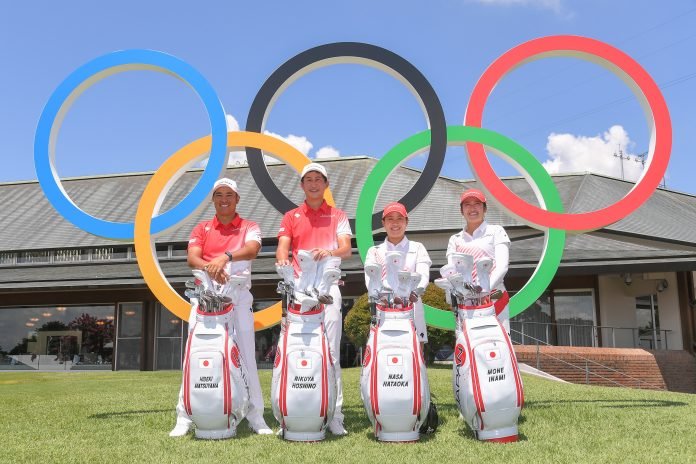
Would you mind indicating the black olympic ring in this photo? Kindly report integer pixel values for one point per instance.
(353, 52)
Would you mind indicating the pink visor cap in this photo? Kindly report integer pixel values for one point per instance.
(472, 193)
(395, 208)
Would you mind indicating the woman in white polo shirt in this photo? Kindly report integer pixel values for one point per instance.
(395, 221)
(480, 239)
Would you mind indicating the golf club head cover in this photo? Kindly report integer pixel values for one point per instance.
(393, 263)
(308, 271)
(373, 273)
(328, 273)
(483, 272)
(463, 263)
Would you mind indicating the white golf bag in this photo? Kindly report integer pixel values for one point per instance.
(303, 389)
(486, 379)
(215, 389)
(394, 381)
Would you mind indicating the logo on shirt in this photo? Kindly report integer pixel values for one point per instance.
(193, 240)
(297, 215)
(282, 229)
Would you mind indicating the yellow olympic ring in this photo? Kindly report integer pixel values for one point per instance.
(157, 188)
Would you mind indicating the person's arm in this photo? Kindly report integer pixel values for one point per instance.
(283, 251)
(423, 263)
(284, 240)
(370, 258)
(451, 246)
(502, 257)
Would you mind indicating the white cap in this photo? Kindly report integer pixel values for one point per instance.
(314, 167)
(225, 182)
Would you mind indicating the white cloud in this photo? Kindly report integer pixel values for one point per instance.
(298, 141)
(327, 152)
(554, 5)
(578, 153)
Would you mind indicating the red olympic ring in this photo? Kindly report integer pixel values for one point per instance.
(624, 67)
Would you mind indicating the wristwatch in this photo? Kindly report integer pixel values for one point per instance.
(229, 255)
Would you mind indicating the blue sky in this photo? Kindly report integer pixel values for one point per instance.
(571, 114)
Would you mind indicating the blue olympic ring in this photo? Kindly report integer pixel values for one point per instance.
(84, 77)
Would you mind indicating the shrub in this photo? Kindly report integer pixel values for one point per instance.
(357, 323)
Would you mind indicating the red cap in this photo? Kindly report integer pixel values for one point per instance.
(395, 208)
(472, 193)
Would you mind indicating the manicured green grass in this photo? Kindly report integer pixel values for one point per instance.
(126, 416)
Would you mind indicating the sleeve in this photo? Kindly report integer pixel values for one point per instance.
(500, 236)
(502, 262)
(423, 263)
(286, 225)
(451, 245)
(253, 233)
(343, 226)
(197, 237)
(370, 258)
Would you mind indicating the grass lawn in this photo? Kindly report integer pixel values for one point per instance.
(126, 416)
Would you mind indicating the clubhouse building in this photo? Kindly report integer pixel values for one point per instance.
(70, 300)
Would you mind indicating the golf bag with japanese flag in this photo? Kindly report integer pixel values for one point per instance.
(215, 389)
(303, 389)
(394, 382)
(486, 379)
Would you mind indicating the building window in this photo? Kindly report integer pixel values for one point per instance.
(34, 257)
(558, 317)
(130, 332)
(168, 343)
(57, 337)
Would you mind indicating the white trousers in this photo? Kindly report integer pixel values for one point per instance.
(333, 323)
(244, 335)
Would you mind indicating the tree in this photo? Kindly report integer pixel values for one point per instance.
(357, 323)
(52, 325)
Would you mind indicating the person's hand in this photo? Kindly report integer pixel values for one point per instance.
(320, 253)
(283, 262)
(216, 269)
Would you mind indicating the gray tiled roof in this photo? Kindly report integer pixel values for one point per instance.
(30, 222)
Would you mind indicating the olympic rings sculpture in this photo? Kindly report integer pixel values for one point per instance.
(550, 217)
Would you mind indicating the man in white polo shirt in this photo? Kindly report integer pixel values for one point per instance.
(212, 245)
(324, 230)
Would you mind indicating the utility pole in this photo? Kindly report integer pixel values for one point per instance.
(641, 159)
(621, 157)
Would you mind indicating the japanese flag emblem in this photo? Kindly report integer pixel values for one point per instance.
(304, 363)
(395, 360)
(205, 363)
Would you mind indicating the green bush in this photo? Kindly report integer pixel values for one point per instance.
(357, 323)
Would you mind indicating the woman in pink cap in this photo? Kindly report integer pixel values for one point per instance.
(480, 239)
(395, 221)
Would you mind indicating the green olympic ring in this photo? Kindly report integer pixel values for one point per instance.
(542, 184)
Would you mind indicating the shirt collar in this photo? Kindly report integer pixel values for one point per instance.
(478, 232)
(323, 208)
(401, 246)
(234, 224)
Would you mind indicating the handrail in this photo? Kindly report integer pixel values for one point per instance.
(635, 333)
(587, 360)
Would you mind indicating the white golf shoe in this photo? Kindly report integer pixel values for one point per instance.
(181, 428)
(336, 427)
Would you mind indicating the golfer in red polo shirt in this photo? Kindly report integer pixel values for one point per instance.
(213, 244)
(324, 230)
